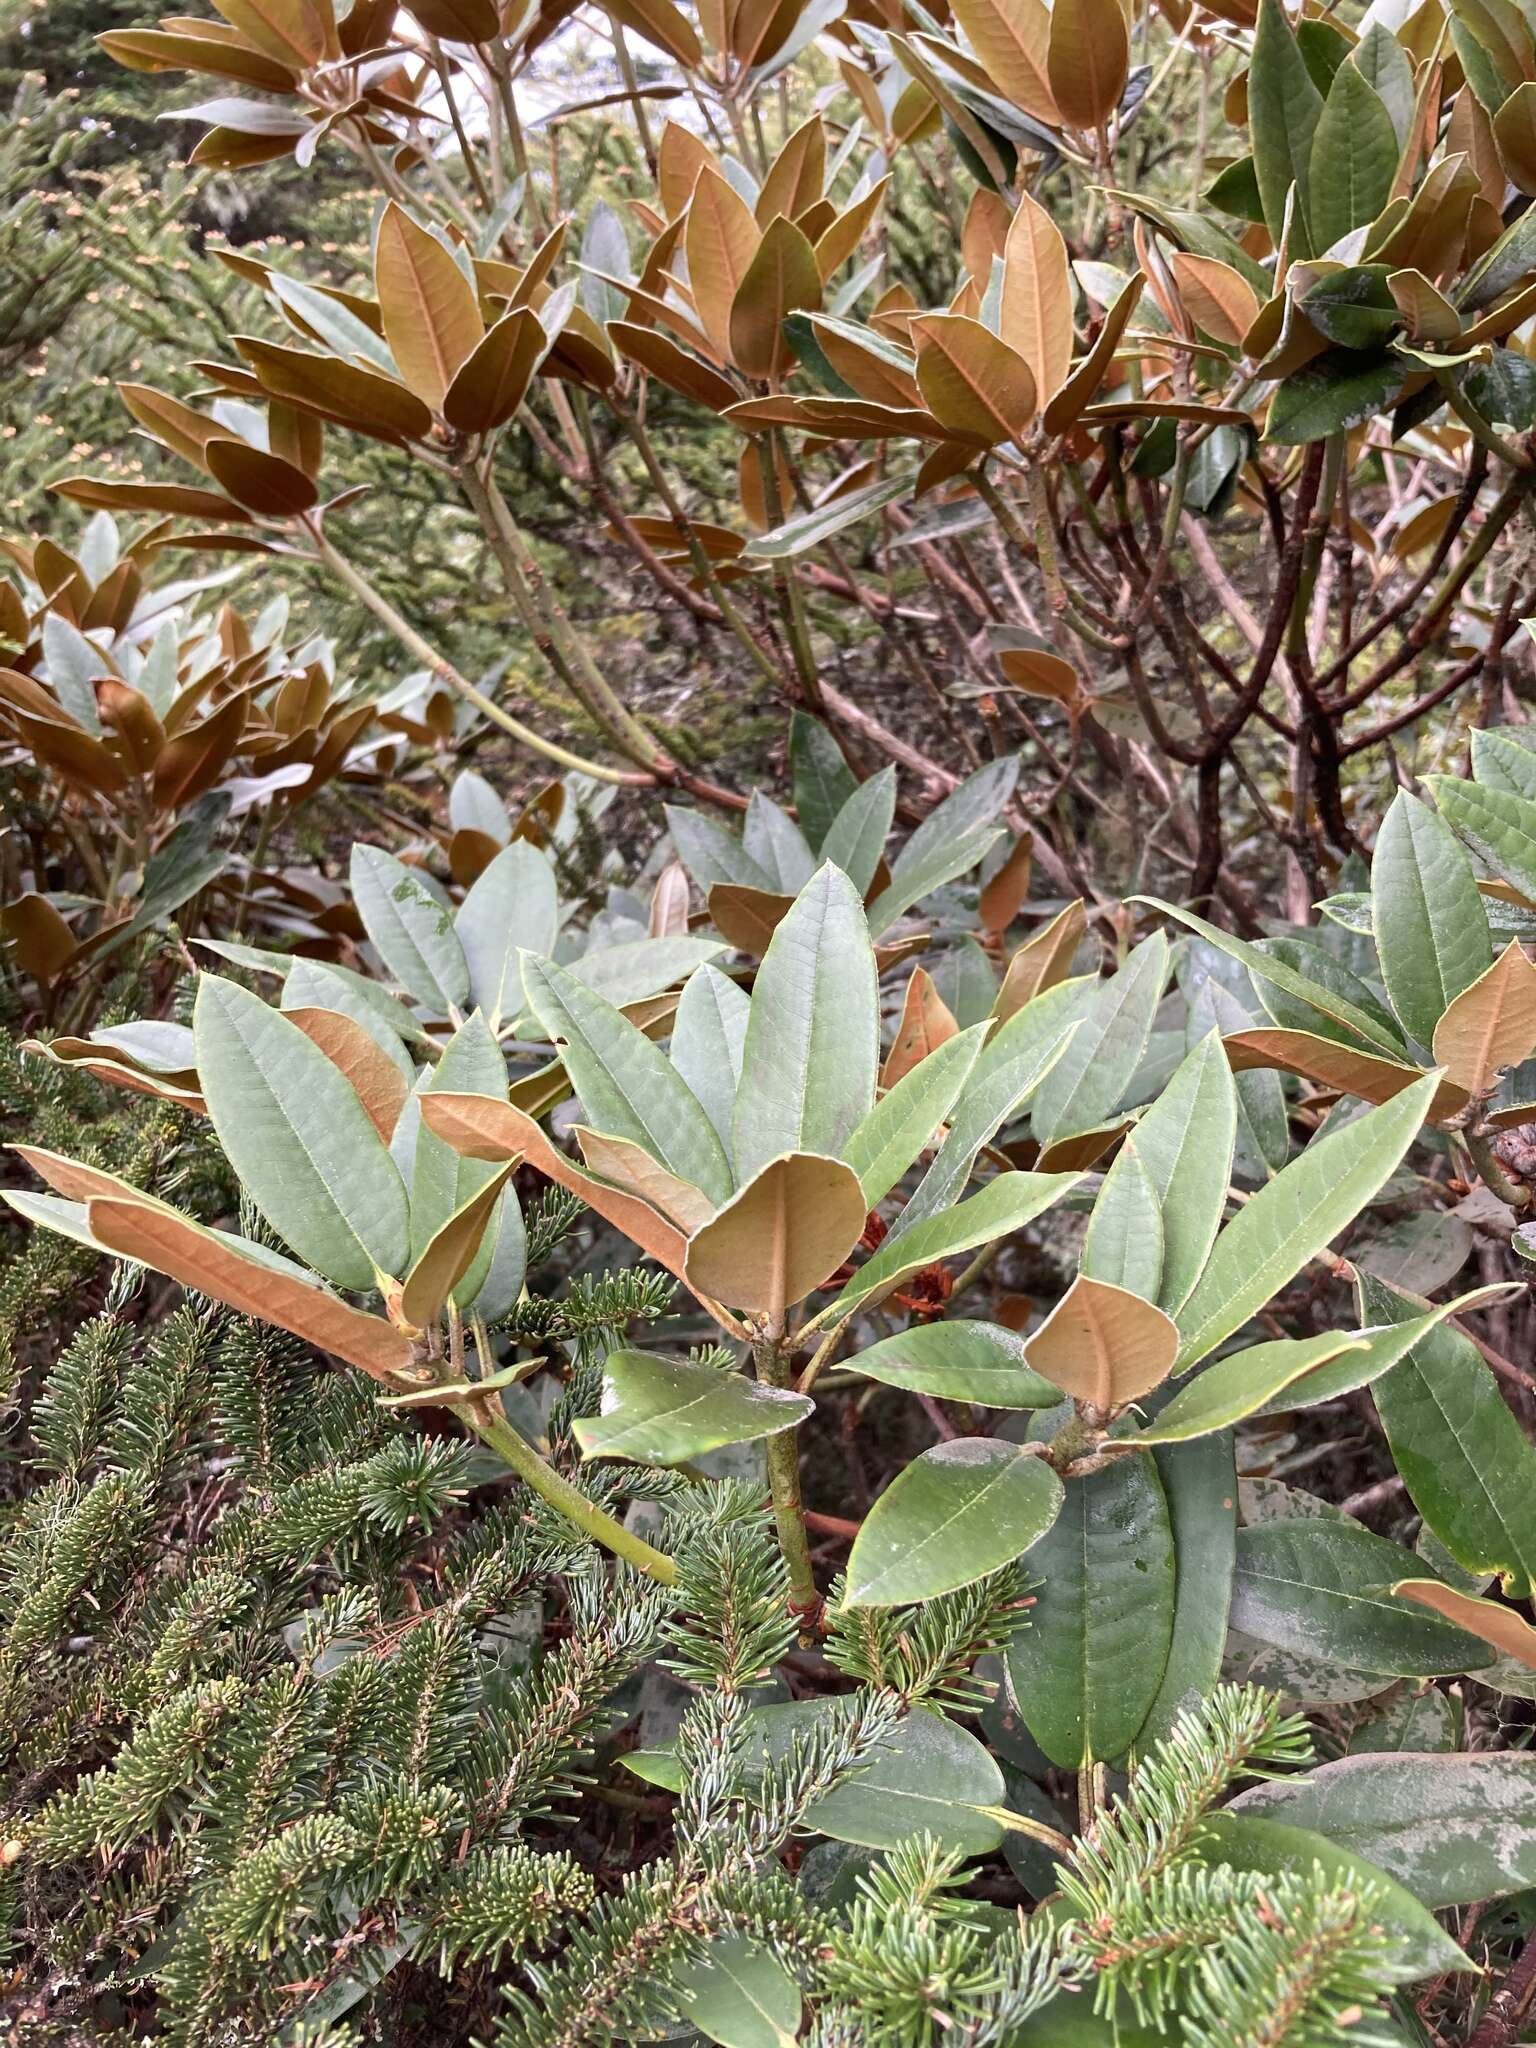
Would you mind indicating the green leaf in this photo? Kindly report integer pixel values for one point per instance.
(1454, 1829)
(740, 1995)
(1089, 1666)
(1500, 761)
(1384, 64)
(1339, 988)
(1342, 389)
(1463, 1457)
(776, 843)
(1240, 1384)
(1010, 1069)
(710, 854)
(1274, 1848)
(1322, 1588)
(1200, 1487)
(1262, 1142)
(810, 529)
(1495, 824)
(1185, 1143)
(1283, 110)
(886, 1142)
(1087, 1082)
(941, 864)
(312, 985)
(390, 1012)
(443, 1180)
(1291, 1373)
(1431, 930)
(961, 1510)
(1504, 389)
(1004, 1205)
(339, 329)
(184, 863)
(663, 1411)
(1124, 1243)
(411, 929)
(1380, 1351)
(813, 1039)
(819, 774)
(855, 839)
(627, 1085)
(951, 839)
(958, 1361)
(495, 1279)
(1353, 159)
(1292, 1218)
(298, 1138)
(1355, 306)
(54, 1212)
(641, 967)
(1236, 191)
(930, 1776)
(74, 664)
(1509, 262)
(510, 908)
(709, 1033)
(976, 802)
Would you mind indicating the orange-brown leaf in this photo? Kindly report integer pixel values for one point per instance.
(1103, 1345)
(431, 314)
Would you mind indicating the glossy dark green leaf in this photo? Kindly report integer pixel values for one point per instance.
(665, 1411)
(1353, 159)
(1200, 1487)
(961, 1510)
(1236, 191)
(1452, 1829)
(1322, 1588)
(1342, 389)
(1468, 1465)
(930, 1776)
(1274, 1848)
(958, 1361)
(1087, 1670)
(1504, 389)
(1354, 307)
(1283, 110)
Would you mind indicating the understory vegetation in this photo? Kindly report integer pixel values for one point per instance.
(767, 865)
